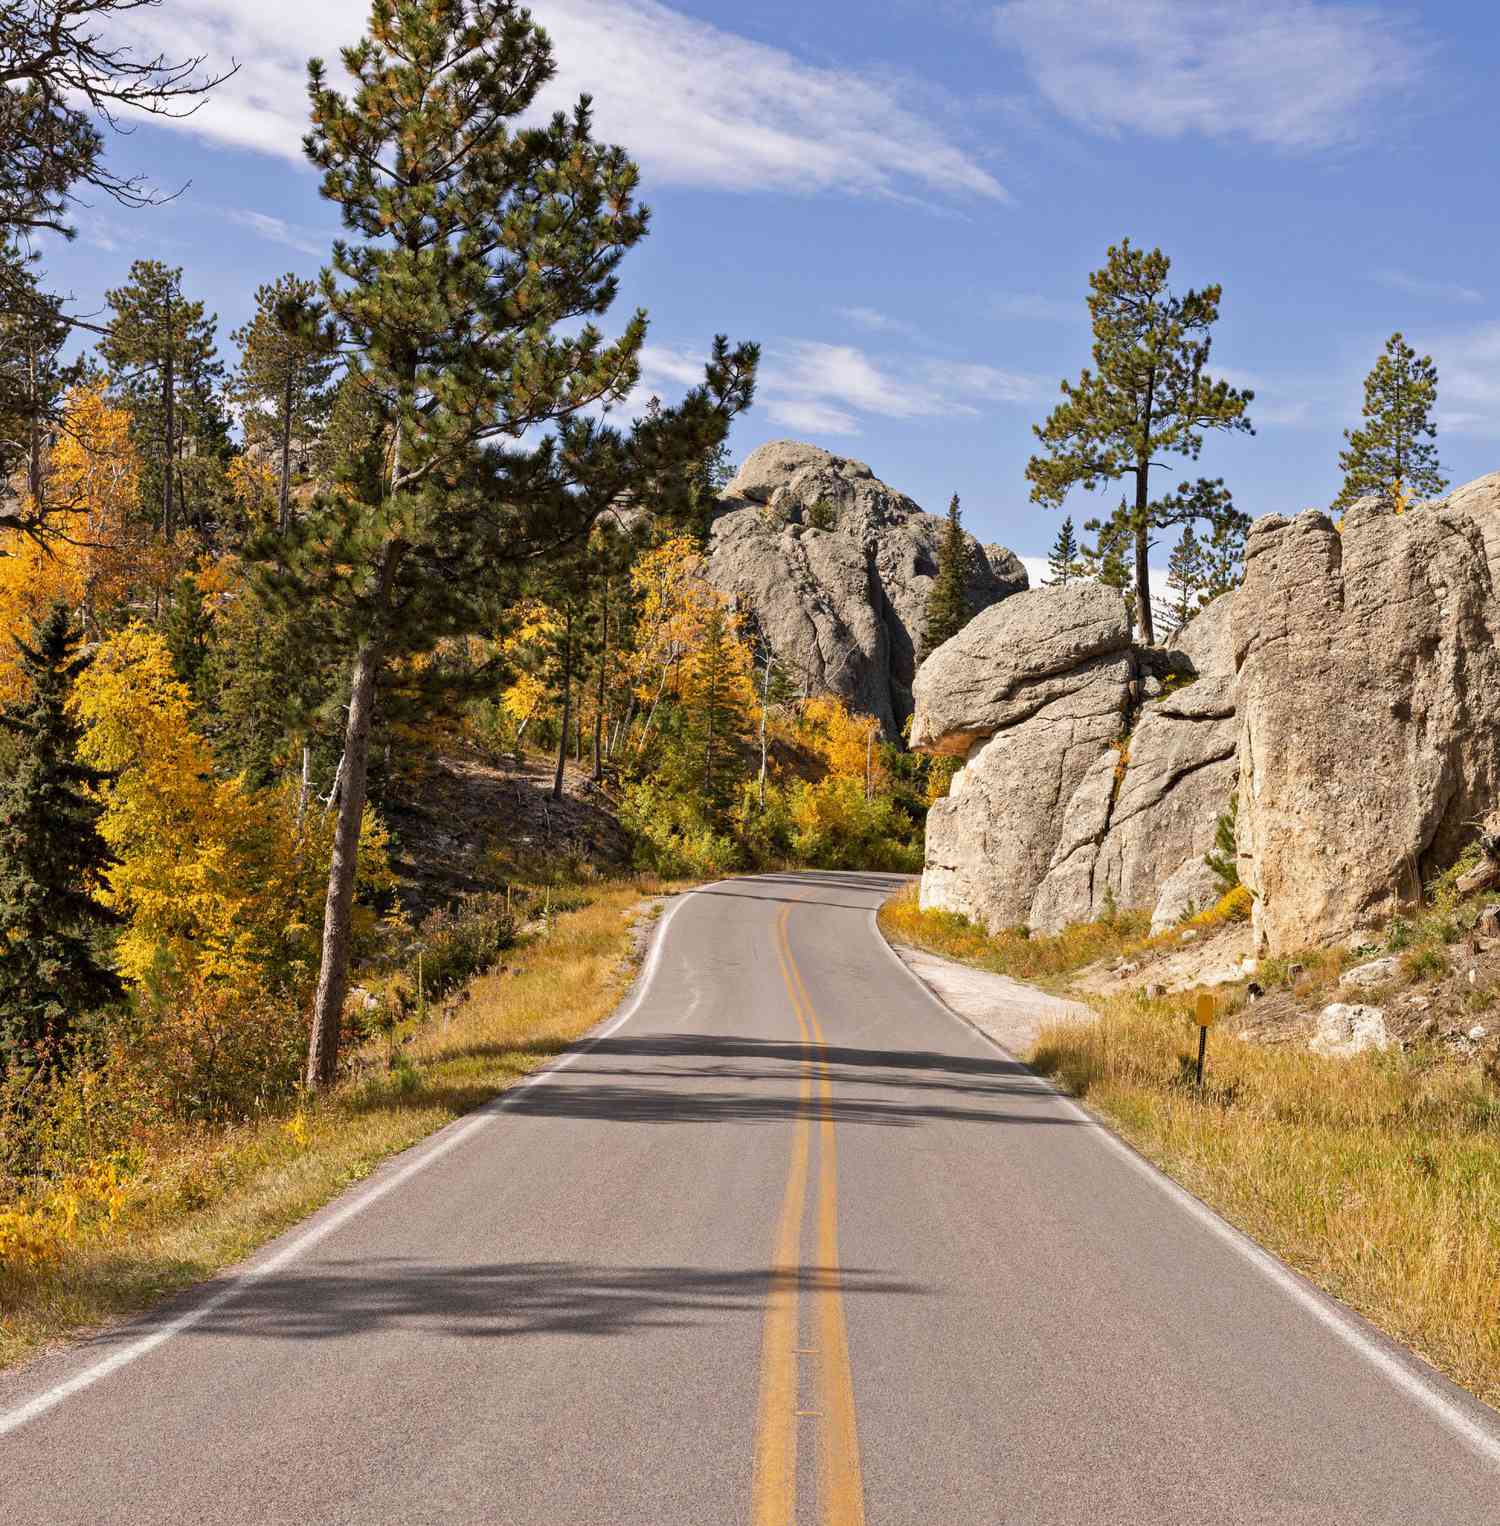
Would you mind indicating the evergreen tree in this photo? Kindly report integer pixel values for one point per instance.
(1149, 397)
(188, 630)
(1107, 560)
(52, 861)
(948, 609)
(33, 383)
(288, 354)
(476, 248)
(160, 347)
(719, 698)
(1221, 554)
(1392, 453)
(1065, 561)
(1184, 577)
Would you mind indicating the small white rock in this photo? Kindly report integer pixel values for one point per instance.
(1346, 1028)
(1377, 972)
(1477, 1032)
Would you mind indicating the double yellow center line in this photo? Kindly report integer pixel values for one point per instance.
(840, 1487)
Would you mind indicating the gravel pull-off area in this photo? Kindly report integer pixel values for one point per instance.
(1008, 1011)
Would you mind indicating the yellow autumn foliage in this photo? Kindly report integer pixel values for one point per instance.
(219, 883)
(95, 557)
(675, 601)
(845, 741)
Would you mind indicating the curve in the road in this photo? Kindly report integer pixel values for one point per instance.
(783, 1206)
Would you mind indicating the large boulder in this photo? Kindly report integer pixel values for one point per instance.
(1369, 712)
(1095, 771)
(1030, 693)
(836, 568)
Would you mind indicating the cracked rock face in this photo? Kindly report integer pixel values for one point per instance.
(1349, 691)
(1369, 710)
(1075, 795)
(843, 607)
(1031, 692)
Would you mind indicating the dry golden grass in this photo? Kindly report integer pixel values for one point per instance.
(1377, 1177)
(221, 1193)
(1036, 957)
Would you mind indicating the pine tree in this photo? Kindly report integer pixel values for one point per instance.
(1221, 554)
(1106, 561)
(1065, 560)
(34, 381)
(719, 698)
(287, 360)
(948, 609)
(1149, 397)
(1392, 454)
(1184, 578)
(476, 247)
(160, 347)
(52, 861)
(187, 630)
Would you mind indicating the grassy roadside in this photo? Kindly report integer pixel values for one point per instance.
(1044, 961)
(1377, 1177)
(220, 1193)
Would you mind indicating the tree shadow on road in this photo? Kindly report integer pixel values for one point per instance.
(354, 1298)
(621, 1093)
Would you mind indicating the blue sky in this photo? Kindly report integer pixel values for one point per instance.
(902, 199)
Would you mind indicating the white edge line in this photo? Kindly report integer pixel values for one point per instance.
(1482, 1437)
(427, 1155)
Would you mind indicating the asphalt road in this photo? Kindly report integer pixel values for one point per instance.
(790, 1243)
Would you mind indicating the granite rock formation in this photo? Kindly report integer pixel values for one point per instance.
(1349, 692)
(836, 567)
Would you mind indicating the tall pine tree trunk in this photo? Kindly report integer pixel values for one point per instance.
(169, 465)
(286, 453)
(34, 483)
(338, 914)
(603, 667)
(1142, 550)
(567, 707)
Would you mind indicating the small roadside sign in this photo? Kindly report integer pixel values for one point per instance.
(1205, 1022)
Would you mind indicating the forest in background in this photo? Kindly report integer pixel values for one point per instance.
(253, 597)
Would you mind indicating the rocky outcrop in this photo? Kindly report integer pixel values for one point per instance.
(836, 567)
(1030, 693)
(1369, 686)
(1095, 772)
(1349, 692)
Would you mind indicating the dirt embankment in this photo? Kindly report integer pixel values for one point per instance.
(470, 824)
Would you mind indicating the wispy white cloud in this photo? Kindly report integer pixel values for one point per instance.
(816, 388)
(662, 364)
(876, 322)
(960, 380)
(694, 103)
(1031, 305)
(807, 416)
(844, 374)
(277, 230)
(1291, 74)
(1418, 286)
(1469, 382)
(852, 383)
(1284, 402)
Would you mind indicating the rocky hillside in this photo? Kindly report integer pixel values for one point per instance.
(836, 567)
(1349, 692)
